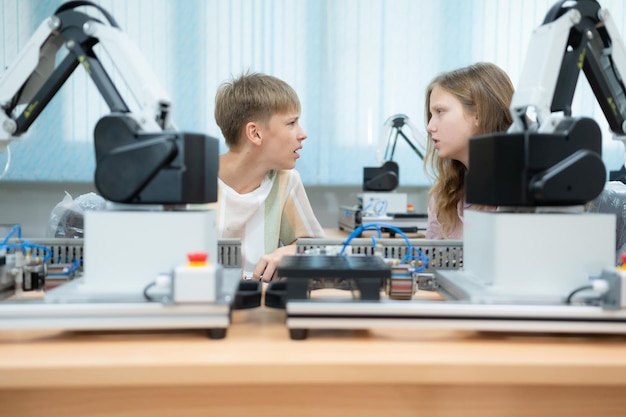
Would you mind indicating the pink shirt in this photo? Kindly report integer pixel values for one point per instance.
(433, 230)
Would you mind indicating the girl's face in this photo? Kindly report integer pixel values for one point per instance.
(451, 126)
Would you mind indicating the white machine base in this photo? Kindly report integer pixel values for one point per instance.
(303, 315)
(539, 256)
(126, 250)
(67, 311)
(518, 271)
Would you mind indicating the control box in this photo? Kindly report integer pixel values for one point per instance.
(380, 203)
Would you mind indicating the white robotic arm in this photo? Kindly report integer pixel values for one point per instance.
(21, 80)
(153, 100)
(538, 81)
(140, 158)
(386, 177)
(547, 157)
(574, 36)
(392, 129)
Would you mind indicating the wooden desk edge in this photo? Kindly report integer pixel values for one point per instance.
(64, 376)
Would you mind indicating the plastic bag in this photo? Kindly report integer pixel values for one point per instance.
(613, 200)
(67, 217)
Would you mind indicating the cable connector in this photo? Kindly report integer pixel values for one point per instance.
(163, 281)
(613, 297)
(426, 281)
(600, 286)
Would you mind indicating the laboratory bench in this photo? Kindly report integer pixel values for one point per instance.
(257, 370)
(336, 233)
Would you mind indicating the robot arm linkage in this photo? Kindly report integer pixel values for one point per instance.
(386, 177)
(548, 158)
(581, 36)
(140, 158)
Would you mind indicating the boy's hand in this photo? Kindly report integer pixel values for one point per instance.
(266, 267)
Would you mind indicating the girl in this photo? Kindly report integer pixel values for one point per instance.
(460, 104)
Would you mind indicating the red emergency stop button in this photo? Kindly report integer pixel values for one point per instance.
(197, 258)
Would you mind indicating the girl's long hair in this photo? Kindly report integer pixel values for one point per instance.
(484, 89)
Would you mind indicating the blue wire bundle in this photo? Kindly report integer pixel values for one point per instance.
(378, 227)
(24, 245)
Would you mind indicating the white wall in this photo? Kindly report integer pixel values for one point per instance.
(29, 204)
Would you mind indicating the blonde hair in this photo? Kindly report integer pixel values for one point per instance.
(251, 97)
(485, 90)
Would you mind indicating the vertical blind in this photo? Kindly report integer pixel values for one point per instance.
(353, 63)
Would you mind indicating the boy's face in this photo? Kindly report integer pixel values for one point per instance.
(282, 139)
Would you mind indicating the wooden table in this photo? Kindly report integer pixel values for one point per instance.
(257, 370)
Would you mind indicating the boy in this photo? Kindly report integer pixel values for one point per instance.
(261, 199)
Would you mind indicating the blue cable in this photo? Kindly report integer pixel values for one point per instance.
(406, 239)
(45, 249)
(24, 245)
(74, 266)
(383, 208)
(356, 232)
(420, 256)
(378, 227)
(13, 230)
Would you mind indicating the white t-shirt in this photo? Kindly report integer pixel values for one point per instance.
(275, 214)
